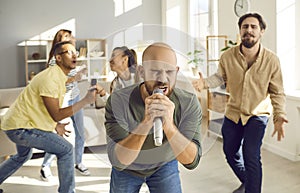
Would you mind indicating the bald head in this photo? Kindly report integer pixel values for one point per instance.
(160, 52)
(159, 69)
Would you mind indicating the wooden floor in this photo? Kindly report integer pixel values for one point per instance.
(213, 175)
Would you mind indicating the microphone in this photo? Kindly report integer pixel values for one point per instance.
(93, 83)
(157, 125)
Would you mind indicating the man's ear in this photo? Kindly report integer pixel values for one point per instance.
(141, 71)
(58, 58)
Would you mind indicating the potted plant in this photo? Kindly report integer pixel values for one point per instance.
(230, 44)
(195, 59)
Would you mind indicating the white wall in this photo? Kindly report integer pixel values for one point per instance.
(297, 59)
(21, 20)
(289, 147)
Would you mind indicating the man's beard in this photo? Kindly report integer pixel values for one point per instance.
(248, 43)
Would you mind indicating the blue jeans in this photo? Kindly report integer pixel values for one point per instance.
(241, 145)
(166, 179)
(26, 139)
(78, 125)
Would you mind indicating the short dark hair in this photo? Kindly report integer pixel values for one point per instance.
(58, 46)
(262, 23)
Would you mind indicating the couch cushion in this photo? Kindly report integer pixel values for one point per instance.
(7, 147)
(9, 95)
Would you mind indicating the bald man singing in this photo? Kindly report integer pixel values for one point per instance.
(130, 114)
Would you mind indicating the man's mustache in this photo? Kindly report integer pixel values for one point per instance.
(246, 34)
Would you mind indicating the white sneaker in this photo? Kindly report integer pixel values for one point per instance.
(46, 173)
(82, 169)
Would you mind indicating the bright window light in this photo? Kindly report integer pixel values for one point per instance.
(173, 17)
(119, 7)
(49, 34)
(123, 6)
(286, 44)
(131, 4)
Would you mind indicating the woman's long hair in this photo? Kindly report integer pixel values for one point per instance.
(57, 38)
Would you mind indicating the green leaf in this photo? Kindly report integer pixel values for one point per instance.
(223, 49)
(232, 43)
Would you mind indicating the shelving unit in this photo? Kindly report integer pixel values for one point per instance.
(36, 56)
(92, 53)
(98, 62)
(217, 97)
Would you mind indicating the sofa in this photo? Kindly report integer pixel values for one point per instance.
(7, 97)
(94, 118)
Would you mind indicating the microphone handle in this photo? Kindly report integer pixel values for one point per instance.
(93, 82)
(158, 131)
(157, 125)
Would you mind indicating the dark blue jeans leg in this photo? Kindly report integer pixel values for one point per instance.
(253, 136)
(49, 142)
(245, 162)
(10, 166)
(232, 140)
(166, 179)
(123, 182)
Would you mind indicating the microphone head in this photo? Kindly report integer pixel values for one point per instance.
(158, 90)
(158, 141)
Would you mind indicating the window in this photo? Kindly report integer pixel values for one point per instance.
(286, 43)
(195, 19)
(199, 18)
(199, 27)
